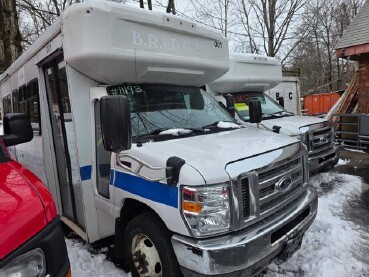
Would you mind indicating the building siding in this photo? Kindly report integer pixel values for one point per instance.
(363, 101)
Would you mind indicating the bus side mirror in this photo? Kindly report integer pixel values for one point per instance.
(115, 123)
(230, 104)
(255, 111)
(17, 129)
(281, 101)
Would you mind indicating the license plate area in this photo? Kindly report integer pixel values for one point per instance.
(291, 247)
(281, 232)
(326, 158)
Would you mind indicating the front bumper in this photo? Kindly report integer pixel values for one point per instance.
(248, 251)
(323, 160)
(51, 241)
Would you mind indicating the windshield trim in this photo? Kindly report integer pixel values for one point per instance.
(153, 108)
(265, 116)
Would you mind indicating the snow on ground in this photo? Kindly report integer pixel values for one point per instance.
(331, 243)
(342, 162)
(328, 248)
(86, 264)
(354, 150)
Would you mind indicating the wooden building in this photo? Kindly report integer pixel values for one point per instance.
(354, 45)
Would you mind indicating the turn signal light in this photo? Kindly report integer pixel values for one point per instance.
(191, 207)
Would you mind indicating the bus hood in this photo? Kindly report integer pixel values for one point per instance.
(210, 154)
(294, 125)
(22, 211)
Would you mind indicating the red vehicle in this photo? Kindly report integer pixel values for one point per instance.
(31, 237)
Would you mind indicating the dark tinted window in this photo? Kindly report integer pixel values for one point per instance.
(26, 100)
(7, 104)
(33, 105)
(4, 157)
(16, 108)
(23, 107)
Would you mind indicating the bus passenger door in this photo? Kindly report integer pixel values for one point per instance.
(65, 146)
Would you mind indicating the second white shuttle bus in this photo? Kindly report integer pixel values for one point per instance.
(248, 78)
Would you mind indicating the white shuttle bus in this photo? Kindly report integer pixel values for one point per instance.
(249, 76)
(131, 147)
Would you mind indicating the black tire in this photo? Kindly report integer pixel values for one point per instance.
(150, 225)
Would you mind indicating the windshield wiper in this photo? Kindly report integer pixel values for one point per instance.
(153, 132)
(215, 124)
(156, 132)
(274, 115)
(286, 113)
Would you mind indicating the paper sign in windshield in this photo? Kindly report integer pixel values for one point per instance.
(241, 107)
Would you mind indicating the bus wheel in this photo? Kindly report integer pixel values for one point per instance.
(148, 248)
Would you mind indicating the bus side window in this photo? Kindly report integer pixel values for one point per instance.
(102, 158)
(23, 100)
(15, 95)
(33, 105)
(7, 104)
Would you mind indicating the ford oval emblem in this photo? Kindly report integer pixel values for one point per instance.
(284, 183)
(323, 139)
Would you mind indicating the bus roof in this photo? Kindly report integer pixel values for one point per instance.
(114, 43)
(249, 72)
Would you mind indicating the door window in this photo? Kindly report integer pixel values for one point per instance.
(102, 157)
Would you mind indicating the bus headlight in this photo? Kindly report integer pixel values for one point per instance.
(206, 209)
(29, 264)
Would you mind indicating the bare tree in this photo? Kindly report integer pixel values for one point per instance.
(269, 24)
(212, 13)
(326, 21)
(10, 37)
(37, 15)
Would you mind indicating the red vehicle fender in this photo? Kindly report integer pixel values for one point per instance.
(44, 194)
(26, 206)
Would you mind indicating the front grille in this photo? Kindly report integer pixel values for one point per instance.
(245, 197)
(321, 139)
(271, 197)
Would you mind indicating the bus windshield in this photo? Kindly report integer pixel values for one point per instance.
(156, 107)
(269, 107)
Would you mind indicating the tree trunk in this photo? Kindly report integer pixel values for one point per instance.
(171, 8)
(10, 37)
(142, 4)
(149, 4)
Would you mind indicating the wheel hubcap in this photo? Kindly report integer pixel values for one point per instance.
(145, 257)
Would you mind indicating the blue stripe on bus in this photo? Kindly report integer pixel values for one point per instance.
(155, 191)
(85, 172)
